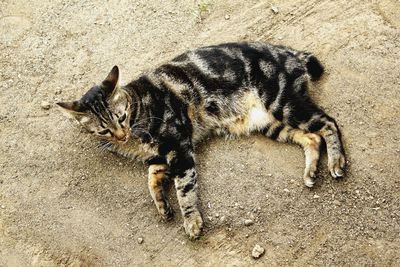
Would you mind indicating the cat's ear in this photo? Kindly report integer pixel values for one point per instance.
(110, 83)
(71, 109)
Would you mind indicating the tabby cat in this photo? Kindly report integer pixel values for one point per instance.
(229, 89)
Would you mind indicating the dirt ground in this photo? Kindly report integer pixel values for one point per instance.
(65, 203)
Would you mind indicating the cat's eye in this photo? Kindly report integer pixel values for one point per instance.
(104, 132)
(122, 118)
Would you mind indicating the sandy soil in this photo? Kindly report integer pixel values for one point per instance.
(65, 203)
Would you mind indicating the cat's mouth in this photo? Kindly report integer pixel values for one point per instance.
(121, 137)
(123, 140)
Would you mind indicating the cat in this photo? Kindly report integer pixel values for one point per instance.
(229, 89)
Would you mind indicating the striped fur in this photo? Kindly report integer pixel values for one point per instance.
(230, 89)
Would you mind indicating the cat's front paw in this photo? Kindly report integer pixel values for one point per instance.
(193, 225)
(336, 164)
(166, 212)
(309, 180)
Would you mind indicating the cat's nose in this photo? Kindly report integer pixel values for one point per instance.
(120, 135)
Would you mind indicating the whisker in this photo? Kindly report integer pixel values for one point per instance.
(146, 120)
(143, 131)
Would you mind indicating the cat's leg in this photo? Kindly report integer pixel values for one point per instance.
(156, 181)
(311, 145)
(325, 126)
(182, 166)
(309, 141)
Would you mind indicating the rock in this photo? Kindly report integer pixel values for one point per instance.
(227, 17)
(286, 190)
(316, 196)
(248, 222)
(140, 240)
(257, 252)
(45, 105)
(336, 202)
(275, 9)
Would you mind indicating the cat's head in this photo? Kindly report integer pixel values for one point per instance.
(104, 110)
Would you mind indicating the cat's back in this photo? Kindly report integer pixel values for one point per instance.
(227, 68)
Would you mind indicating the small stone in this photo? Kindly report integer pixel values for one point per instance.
(315, 196)
(257, 252)
(222, 219)
(45, 105)
(286, 190)
(3, 207)
(140, 240)
(248, 222)
(269, 174)
(336, 202)
(275, 9)
(227, 17)
(247, 236)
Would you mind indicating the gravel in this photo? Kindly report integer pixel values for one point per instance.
(257, 251)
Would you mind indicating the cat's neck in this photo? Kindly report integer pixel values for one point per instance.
(136, 107)
(140, 112)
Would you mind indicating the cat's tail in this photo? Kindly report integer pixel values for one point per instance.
(314, 67)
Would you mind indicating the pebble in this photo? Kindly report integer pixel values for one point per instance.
(227, 17)
(286, 190)
(45, 105)
(315, 196)
(257, 252)
(140, 240)
(248, 222)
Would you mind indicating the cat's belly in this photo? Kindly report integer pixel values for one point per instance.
(244, 116)
(256, 119)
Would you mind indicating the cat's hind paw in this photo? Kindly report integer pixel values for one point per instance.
(336, 164)
(309, 175)
(193, 226)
